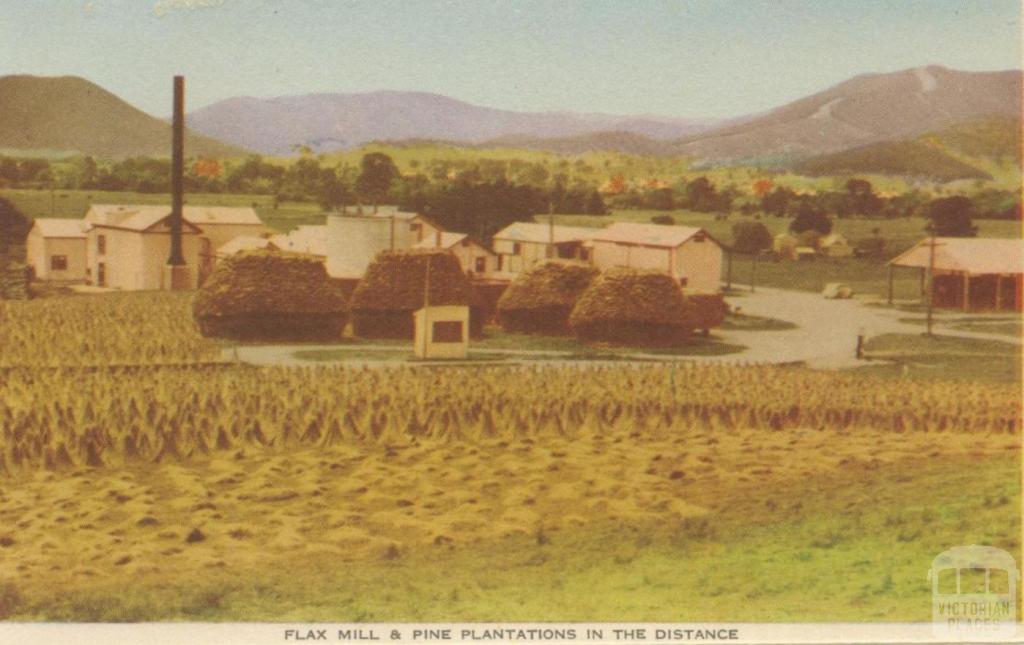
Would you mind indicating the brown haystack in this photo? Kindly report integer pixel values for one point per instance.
(393, 288)
(540, 299)
(705, 310)
(267, 294)
(632, 307)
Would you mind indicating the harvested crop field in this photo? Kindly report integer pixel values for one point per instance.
(140, 481)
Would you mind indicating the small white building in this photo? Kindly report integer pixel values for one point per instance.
(686, 253)
(834, 245)
(473, 256)
(520, 245)
(358, 234)
(441, 332)
(56, 249)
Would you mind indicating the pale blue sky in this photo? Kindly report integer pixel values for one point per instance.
(673, 57)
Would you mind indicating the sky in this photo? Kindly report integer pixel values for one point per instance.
(687, 58)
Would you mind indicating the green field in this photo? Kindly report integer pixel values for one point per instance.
(75, 203)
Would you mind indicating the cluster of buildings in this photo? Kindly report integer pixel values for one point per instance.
(126, 247)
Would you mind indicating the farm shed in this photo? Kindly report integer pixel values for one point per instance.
(540, 299)
(686, 253)
(522, 244)
(56, 249)
(969, 273)
(273, 295)
(834, 245)
(474, 257)
(395, 287)
(632, 306)
(441, 332)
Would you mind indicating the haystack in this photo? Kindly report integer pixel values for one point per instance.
(632, 307)
(394, 288)
(541, 298)
(266, 294)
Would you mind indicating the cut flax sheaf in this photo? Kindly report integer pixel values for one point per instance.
(395, 286)
(632, 307)
(541, 298)
(273, 295)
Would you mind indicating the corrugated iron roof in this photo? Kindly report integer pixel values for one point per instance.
(448, 240)
(541, 233)
(141, 217)
(58, 227)
(973, 255)
(311, 239)
(243, 243)
(662, 235)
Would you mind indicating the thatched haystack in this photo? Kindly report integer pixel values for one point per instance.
(266, 294)
(632, 307)
(541, 298)
(705, 311)
(393, 289)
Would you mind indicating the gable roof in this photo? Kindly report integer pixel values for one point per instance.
(60, 227)
(243, 243)
(141, 216)
(541, 233)
(973, 255)
(307, 238)
(448, 240)
(380, 211)
(659, 235)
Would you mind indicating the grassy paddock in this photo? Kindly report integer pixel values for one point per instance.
(780, 554)
(75, 203)
(944, 358)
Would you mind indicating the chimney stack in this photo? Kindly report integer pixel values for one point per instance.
(178, 273)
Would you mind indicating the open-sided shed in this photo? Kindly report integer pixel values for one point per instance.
(967, 273)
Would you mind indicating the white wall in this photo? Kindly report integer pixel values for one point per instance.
(701, 264)
(353, 242)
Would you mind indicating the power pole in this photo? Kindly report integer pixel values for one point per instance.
(931, 279)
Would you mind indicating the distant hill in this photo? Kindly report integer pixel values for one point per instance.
(864, 110)
(618, 141)
(71, 114)
(961, 151)
(328, 122)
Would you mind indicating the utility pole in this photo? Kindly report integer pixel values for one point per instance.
(931, 279)
(753, 273)
(551, 229)
(177, 258)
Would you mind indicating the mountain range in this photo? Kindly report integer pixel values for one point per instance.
(849, 125)
(327, 122)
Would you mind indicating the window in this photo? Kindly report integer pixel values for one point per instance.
(414, 227)
(58, 263)
(447, 331)
(566, 252)
(517, 248)
(480, 265)
(699, 237)
(101, 244)
(683, 281)
(585, 255)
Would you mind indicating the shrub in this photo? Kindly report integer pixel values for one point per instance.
(663, 219)
(705, 310)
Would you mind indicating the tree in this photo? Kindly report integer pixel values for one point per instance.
(750, 237)
(810, 218)
(376, 174)
(951, 217)
(777, 202)
(861, 197)
(595, 204)
(14, 226)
